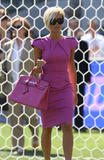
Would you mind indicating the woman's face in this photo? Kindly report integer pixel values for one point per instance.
(56, 23)
(20, 29)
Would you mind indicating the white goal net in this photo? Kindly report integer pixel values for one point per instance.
(84, 19)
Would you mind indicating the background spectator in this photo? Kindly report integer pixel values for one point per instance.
(83, 73)
(18, 58)
(4, 19)
(95, 42)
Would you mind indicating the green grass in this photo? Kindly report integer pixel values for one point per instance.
(87, 146)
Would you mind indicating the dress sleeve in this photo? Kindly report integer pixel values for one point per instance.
(38, 43)
(74, 43)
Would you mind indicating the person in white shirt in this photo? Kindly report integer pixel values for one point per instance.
(95, 42)
(19, 59)
(81, 59)
(4, 19)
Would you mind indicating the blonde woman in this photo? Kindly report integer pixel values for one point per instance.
(58, 52)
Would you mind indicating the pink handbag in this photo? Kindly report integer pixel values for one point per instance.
(31, 91)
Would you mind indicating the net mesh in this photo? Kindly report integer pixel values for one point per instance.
(88, 119)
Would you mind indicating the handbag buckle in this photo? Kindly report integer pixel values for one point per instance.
(32, 82)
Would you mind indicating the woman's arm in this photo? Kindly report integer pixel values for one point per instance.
(38, 60)
(37, 55)
(72, 74)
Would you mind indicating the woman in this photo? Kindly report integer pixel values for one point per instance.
(58, 52)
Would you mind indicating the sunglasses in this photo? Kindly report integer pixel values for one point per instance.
(58, 20)
(17, 27)
(4, 18)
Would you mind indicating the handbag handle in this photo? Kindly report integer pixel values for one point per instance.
(41, 63)
(28, 80)
(30, 76)
(32, 72)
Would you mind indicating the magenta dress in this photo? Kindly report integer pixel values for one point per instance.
(55, 71)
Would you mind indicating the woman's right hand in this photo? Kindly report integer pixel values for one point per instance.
(38, 67)
(41, 63)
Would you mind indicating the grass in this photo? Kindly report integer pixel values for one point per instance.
(87, 146)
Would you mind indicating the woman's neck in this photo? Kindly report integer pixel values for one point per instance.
(55, 36)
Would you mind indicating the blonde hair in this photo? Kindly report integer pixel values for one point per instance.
(51, 13)
(25, 22)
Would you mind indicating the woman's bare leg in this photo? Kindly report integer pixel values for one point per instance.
(67, 140)
(46, 142)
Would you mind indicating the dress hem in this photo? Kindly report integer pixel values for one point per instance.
(55, 125)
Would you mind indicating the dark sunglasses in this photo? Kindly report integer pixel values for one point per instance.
(4, 18)
(58, 20)
(17, 27)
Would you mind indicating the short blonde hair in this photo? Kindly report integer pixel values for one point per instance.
(51, 13)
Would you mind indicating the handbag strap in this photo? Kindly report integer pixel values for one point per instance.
(30, 76)
(32, 72)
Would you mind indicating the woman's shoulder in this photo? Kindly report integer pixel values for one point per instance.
(39, 42)
(71, 41)
(8, 44)
(40, 39)
(37, 39)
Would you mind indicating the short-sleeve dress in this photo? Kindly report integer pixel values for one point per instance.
(56, 53)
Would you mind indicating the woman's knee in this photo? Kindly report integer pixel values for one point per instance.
(67, 127)
(47, 131)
